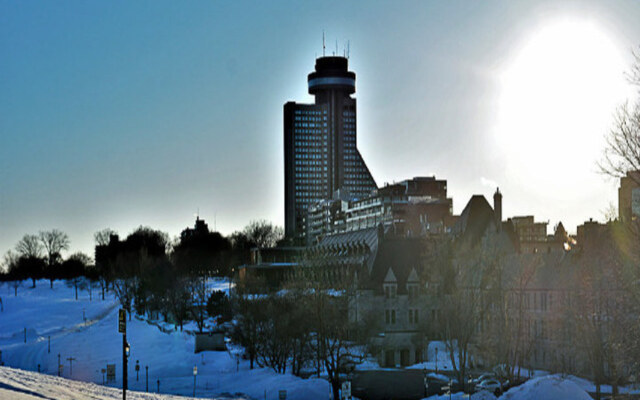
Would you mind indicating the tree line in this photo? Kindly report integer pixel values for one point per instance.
(147, 271)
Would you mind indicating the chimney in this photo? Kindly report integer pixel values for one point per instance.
(497, 208)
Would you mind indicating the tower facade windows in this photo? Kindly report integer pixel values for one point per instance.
(321, 154)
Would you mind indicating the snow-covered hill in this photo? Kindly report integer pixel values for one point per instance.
(87, 332)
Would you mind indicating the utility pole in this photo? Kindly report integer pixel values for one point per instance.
(49, 344)
(59, 364)
(147, 372)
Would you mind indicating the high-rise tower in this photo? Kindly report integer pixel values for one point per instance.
(320, 152)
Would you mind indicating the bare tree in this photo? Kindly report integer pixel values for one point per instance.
(622, 153)
(601, 312)
(9, 260)
(199, 295)
(54, 242)
(29, 246)
(30, 262)
(263, 233)
(335, 340)
(102, 237)
(74, 270)
(248, 315)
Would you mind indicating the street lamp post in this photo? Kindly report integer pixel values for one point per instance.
(125, 361)
(146, 368)
(137, 369)
(122, 328)
(195, 372)
(436, 360)
(426, 384)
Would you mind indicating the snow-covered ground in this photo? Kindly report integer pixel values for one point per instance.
(461, 396)
(95, 342)
(437, 358)
(552, 387)
(26, 385)
(86, 330)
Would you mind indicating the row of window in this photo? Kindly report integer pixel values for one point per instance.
(391, 290)
(309, 156)
(309, 175)
(307, 200)
(309, 112)
(300, 132)
(311, 185)
(309, 118)
(311, 162)
(309, 143)
(390, 316)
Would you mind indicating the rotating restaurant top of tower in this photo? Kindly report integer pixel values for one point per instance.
(332, 74)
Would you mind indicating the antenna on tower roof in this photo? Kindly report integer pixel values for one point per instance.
(323, 46)
(336, 53)
(348, 49)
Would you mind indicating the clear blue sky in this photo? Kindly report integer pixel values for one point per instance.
(119, 114)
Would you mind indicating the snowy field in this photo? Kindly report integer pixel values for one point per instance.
(87, 332)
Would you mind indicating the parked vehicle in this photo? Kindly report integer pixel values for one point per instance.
(485, 376)
(490, 385)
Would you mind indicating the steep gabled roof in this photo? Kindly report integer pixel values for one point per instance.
(474, 221)
(390, 277)
(477, 222)
(399, 257)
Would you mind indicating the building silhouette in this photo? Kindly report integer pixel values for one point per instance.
(320, 147)
(629, 197)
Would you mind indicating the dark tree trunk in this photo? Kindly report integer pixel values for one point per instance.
(335, 386)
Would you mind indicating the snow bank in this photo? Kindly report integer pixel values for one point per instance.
(483, 395)
(548, 388)
(19, 384)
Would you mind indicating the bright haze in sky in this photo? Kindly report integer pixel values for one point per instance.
(120, 114)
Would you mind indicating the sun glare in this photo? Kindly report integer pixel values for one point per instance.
(558, 94)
